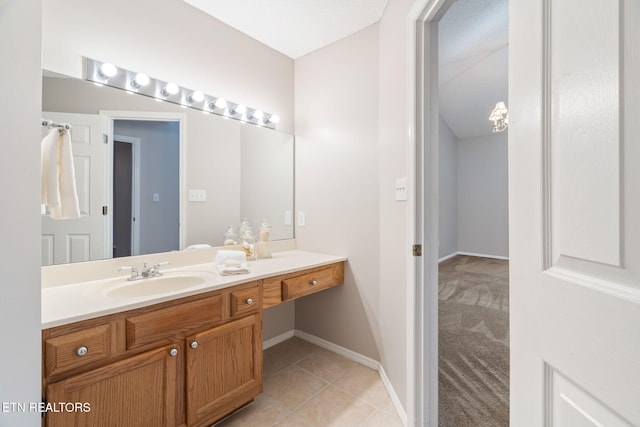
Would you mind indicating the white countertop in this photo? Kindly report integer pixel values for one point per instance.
(81, 301)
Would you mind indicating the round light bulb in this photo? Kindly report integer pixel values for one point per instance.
(141, 79)
(197, 96)
(274, 119)
(258, 114)
(171, 88)
(220, 103)
(108, 70)
(240, 109)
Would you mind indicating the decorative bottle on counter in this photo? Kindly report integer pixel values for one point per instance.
(230, 237)
(247, 239)
(263, 247)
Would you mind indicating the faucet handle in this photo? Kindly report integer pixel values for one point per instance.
(161, 264)
(133, 270)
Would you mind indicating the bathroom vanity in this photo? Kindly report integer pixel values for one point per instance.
(181, 357)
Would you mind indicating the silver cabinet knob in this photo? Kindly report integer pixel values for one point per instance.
(314, 282)
(81, 351)
(194, 344)
(173, 352)
(249, 301)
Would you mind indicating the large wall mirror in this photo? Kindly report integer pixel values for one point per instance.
(165, 178)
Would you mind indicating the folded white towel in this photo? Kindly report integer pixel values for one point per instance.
(197, 246)
(231, 262)
(58, 189)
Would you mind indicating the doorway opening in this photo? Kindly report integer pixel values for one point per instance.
(473, 224)
(146, 152)
(460, 318)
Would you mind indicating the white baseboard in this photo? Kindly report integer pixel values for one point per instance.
(363, 360)
(446, 257)
(484, 255)
(277, 339)
(392, 394)
(344, 352)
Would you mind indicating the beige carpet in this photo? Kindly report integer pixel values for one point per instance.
(473, 342)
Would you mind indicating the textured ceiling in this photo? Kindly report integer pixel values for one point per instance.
(295, 27)
(473, 64)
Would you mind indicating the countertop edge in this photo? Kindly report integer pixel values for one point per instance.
(52, 321)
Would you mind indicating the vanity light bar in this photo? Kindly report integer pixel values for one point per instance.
(107, 74)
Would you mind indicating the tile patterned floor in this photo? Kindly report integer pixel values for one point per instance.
(308, 386)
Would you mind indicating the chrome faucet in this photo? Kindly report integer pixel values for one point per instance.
(146, 272)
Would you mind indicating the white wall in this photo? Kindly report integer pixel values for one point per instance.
(448, 214)
(336, 91)
(483, 214)
(352, 139)
(395, 247)
(20, 85)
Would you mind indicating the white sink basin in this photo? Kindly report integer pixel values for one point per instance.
(156, 285)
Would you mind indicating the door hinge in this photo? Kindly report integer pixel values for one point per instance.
(105, 138)
(417, 250)
(105, 210)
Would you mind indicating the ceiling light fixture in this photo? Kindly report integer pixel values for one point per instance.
(500, 117)
(103, 73)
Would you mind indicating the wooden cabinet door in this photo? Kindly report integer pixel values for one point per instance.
(224, 369)
(138, 391)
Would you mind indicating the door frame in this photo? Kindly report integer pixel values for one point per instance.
(108, 118)
(135, 189)
(423, 164)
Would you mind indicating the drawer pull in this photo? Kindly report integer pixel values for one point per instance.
(81, 351)
(194, 344)
(173, 352)
(314, 282)
(249, 301)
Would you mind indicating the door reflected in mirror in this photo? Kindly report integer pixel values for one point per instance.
(243, 171)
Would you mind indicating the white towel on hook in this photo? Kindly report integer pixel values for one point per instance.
(58, 189)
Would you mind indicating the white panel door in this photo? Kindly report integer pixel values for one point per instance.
(82, 239)
(574, 173)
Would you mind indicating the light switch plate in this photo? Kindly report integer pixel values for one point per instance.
(302, 219)
(197, 195)
(287, 218)
(401, 189)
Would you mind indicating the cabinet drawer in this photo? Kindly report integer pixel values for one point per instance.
(305, 284)
(245, 301)
(77, 349)
(164, 323)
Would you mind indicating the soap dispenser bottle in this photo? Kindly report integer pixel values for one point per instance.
(263, 247)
